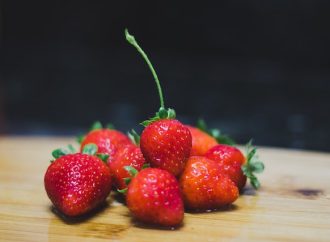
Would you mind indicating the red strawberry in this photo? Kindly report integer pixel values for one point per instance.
(230, 160)
(204, 187)
(108, 141)
(165, 142)
(77, 183)
(129, 155)
(233, 163)
(225, 153)
(201, 141)
(154, 197)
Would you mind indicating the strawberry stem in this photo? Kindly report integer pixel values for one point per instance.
(132, 41)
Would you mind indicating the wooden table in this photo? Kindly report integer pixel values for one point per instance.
(292, 205)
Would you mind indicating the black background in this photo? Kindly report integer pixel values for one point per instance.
(251, 68)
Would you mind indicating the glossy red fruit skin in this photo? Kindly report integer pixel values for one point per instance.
(235, 173)
(204, 187)
(129, 155)
(166, 144)
(225, 153)
(201, 141)
(154, 197)
(230, 160)
(108, 141)
(77, 183)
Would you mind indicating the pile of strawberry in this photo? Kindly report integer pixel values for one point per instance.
(171, 168)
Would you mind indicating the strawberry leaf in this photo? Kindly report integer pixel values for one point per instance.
(215, 133)
(110, 126)
(202, 125)
(145, 165)
(252, 165)
(127, 180)
(131, 170)
(103, 157)
(96, 125)
(71, 149)
(255, 182)
(60, 152)
(257, 167)
(122, 191)
(80, 138)
(145, 123)
(134, 137)
(223, 139)
(90, 149)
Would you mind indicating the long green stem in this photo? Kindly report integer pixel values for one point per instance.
(132, 41)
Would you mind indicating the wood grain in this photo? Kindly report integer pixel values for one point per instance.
(292, 205)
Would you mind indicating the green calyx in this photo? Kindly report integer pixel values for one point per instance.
(161, 114)
(145, 165)
(62, 151)
(133, 172)
(80, 138)
(98, 125)
(91, 149)
(253, 165)
(122, 191)
(134, 137)
(110, 126)
(215, 133)
(103, 157)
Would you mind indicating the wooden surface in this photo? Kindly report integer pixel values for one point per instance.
(292, 205)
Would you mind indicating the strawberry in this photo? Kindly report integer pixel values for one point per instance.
(201, 141)
(107, 140)
(204, 187)
(233, 163)
(230, 160)
(165, 142)
(77, 183)
(153, 196)
(225, 154)
(129, 155)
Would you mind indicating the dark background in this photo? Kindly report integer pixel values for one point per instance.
(251, 68)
